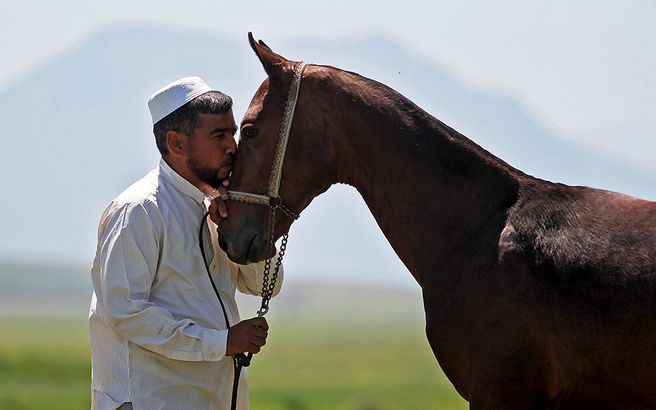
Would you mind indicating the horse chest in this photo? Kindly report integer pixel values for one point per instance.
(479, 330)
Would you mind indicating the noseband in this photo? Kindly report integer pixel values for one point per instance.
(272, 199)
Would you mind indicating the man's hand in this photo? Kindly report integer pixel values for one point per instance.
(218, 208)
(247, 336)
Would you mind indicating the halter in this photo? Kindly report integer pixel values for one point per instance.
(272, 199)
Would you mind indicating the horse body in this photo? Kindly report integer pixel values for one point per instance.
(536, 295)
(527, 284)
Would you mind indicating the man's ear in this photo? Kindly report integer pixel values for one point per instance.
(176, 143)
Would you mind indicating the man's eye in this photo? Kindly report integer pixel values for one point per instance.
(249, 132)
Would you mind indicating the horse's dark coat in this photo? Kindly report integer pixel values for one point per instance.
(537, 295)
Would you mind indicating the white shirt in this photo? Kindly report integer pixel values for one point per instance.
(158, 334)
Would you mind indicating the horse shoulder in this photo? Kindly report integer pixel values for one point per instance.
(583, 237)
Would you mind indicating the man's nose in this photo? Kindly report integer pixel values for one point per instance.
(231, 148)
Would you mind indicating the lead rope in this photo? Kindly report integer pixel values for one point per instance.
(241, 360)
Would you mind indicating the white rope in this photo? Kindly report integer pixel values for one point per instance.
(285, 129)
(248, 197)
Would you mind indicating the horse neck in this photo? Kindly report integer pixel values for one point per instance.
(432, 191)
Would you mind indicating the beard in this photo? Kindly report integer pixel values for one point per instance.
(207, 175)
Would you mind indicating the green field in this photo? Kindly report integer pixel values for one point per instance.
(45, 365)
(329, 347)
(349, 366)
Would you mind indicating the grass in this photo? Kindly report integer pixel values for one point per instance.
(44, 364)
(349, 366)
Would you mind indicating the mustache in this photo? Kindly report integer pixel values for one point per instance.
(228, 162)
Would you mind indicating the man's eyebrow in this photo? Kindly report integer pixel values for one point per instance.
(220, 130)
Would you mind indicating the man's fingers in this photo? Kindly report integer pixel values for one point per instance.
(259, 332)
(223, 209)
(218, 205)
(223, 192)
(248, 336)
(259, 322)
(258, 341)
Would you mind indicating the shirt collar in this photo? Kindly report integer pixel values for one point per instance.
(180, 183)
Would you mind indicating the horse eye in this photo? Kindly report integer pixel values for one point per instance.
(249, 132)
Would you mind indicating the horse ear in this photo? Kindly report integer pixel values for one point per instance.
(274, 64)
(263, 44)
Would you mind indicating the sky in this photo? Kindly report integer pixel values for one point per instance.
(586, 69)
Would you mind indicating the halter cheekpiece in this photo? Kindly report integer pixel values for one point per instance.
(272, 199)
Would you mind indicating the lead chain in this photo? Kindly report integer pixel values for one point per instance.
(268, 287)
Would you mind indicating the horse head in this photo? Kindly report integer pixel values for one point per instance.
(308, 167)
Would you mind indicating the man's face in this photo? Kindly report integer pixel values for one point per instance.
(212, 148)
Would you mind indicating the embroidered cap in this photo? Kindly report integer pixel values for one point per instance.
(173, 96)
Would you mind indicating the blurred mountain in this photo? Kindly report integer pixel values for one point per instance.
(44, 290)
(77, 132)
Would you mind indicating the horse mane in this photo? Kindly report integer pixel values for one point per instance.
(400, 109)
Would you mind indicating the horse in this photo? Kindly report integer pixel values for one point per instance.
(537, 295)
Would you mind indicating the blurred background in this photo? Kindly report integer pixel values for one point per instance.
(562, 90)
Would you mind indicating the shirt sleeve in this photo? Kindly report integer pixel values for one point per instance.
(128, 262)
(249, 277)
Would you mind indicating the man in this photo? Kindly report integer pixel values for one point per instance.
(158, 334)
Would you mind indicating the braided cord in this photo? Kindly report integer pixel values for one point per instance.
(285, 128)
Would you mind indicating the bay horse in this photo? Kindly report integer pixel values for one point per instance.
(537, 295)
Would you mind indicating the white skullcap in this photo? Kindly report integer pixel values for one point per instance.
(173, 96)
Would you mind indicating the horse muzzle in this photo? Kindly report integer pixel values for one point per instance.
(245, 247)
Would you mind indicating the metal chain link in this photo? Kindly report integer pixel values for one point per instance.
(268, 287)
